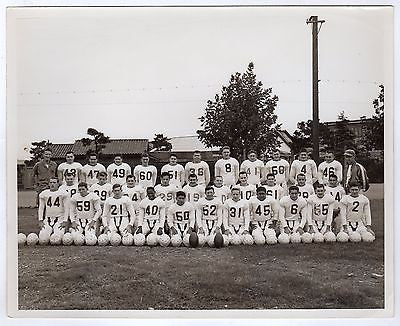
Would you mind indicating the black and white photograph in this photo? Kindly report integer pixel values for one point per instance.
(227, 159)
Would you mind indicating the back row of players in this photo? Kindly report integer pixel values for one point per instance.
(116, 201)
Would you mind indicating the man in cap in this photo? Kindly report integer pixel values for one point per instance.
(354, 172)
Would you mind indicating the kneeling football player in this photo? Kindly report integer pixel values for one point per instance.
(209, 217)
(181, 220)
(151, 216)
(320, 210)
(236, 217)
(294, 212)
(119, 213)
(264, 214)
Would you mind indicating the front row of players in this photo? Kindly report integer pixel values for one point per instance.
(261, 219)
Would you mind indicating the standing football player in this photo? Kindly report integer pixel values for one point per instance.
(71, 167)
(253, 167)
(118, 171)
(305, 189)
(181, 220)
(119, 214)
(85, 211)
(193, 190)
(246, 190)
(53, 210)
(90, 171)
(304, 165)
(220, 191)
(70, 187)
(227, 167)
(294, 212)
(175, 171)
(337, 192)
(199, 168)
(320, 210)
(135, 192)
(272, 189)
(328, 167)
(145, 174)
(279, 167)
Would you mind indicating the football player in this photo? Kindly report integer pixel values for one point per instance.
(118, 171)
(337, 192)
(119, 213)
(272, 189)
(304, 165)
(53, 210)
(71, 167)
(151, 214)
(355, 211)
(91, 170)
(246, 190)
(227, 167)
(102, 188)
(253, 167)
(193, 190)
(166, 192)
(305, 189)
(70, 187)
(328, 167)
(135, 192)
(220, 191)
(85, 211)
(320, 210)
(145, 174)
(293, 215)
(181, 217)
(175, 171)
(236, 214)
(279, 167)
(199, 168)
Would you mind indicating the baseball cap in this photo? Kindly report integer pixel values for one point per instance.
(349, 152)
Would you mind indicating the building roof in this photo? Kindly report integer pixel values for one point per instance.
(350, 122)
(189, 144)
(163, 156)
(59, 150)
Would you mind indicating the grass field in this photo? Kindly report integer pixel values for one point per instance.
(258, 277)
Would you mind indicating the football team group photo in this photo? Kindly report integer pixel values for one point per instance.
(200, 158)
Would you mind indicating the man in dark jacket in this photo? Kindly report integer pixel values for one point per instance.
(354, 172)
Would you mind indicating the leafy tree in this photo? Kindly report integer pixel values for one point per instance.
(36, 151)
(242, 116)
(161, 143)
(302, 137)
(96, 143)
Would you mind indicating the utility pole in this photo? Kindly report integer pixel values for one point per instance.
(315, 136)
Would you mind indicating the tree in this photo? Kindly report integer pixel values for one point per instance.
(242, 116)
(36, 151)
(373, 129)
(302, 137)
(161, 143)
(97, 143)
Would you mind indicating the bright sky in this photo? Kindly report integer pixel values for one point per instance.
(134, 72)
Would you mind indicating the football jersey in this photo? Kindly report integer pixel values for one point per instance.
(153, 210)
(337, 193)
(222, 193)
(237, 212)
(87, 207)
(53, 203)
(193, 194)
(71, 190)
(118, 173)
(176, 173)
(355, 209)
(254, 170)
(145, 175)
(182, 216)
(325, 169)
(246, 192)
(279, 168)
(166, 193)
(263, 210)
(293, 209)
(321, 209)
(276, 192)
(209, 209)
(119, 207)
(227, 168)
(103, 191)
(306, 191)
(73, 168)
(136, 193)
(199, 169)
(308, 168)
(91, 172)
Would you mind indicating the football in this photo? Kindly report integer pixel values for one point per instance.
(342, 237)
(247, 239)
(90, 239)
(176, 240)
(21, 239)
(32, 239)
(67, 239)
(139, 239)
(193, 240)
(202, 240)
(218, 240)
(185, 240)
(306, 237)
(295, 238)
(235, 239)
(127, 239)
(164, 240)
(270, 237)
(79, 239)
(44, 238)
(284, 238)
(55, 239)
(151, 240)
(318, 237)
(115, 239)
(355, 236)
(103, 240)
(330, 237)
(259, 239)
(367, 236)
